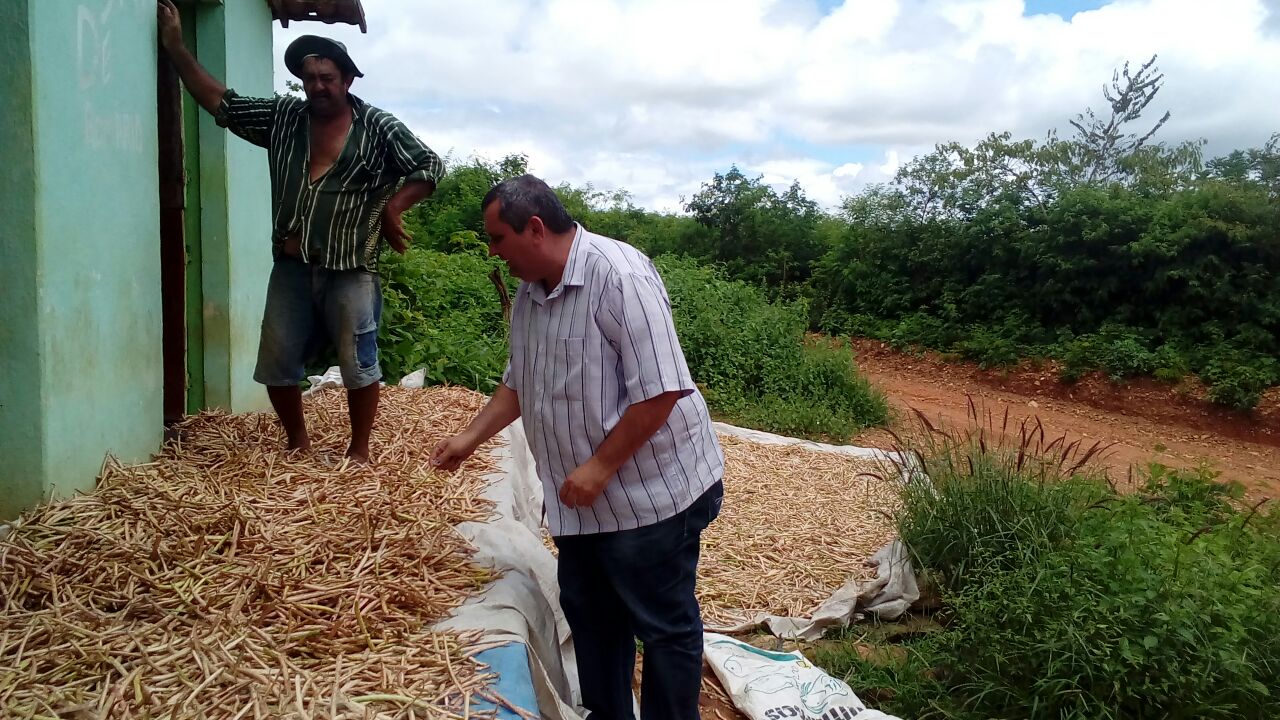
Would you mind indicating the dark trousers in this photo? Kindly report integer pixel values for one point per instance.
(620, 586)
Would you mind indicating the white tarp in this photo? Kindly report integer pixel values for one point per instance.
(886, 597)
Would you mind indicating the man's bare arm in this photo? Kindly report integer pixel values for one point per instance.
(205, 88)
(406, 197)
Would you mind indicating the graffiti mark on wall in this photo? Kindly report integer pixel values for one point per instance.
(93, 45)
(118, 129)
(112, 130)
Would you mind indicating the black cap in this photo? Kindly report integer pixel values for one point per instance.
(308, 45)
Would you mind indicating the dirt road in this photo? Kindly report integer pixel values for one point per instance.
(1147, 421)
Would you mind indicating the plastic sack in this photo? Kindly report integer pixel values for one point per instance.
(332, 378)
(780, 686)
(415, 380)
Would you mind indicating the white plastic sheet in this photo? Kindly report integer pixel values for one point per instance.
(890, 594)
(332, 378)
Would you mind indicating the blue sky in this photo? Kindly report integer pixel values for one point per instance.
(1062, 8)
(655, 96)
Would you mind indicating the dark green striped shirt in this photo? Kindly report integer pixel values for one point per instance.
(339, 216)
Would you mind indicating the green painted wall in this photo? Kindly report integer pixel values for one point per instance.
(234, 42)
(80, 342)
(97, 210)
(21, 440)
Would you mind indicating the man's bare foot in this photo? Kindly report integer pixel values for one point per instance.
(358, 457)
(298, 449)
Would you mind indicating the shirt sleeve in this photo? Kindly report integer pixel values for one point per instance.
(635, 318)
(410, 156)
(248, 117)
(506, 377)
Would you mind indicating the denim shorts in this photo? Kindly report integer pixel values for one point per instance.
(310, 309)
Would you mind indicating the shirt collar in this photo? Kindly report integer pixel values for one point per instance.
(575, 269)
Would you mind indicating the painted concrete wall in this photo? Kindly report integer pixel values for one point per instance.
(97, 210)
(234, 44)
(80, 343)
(21, 440)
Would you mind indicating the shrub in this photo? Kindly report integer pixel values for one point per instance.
(754, 363)
(989, 348)
(920, 330)
(1171, 364)
(1118, 351)
(441, 312)
(1237, 378)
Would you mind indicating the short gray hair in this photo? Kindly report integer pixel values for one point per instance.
(524, 197)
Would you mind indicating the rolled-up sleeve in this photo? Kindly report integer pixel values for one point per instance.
(248, 117)
(635, 317)
(410, 156)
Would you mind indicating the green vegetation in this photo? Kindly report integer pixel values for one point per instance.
(1065, 599)
(1126, 280)
(753, 358)
(442, 313)
(1105, 252)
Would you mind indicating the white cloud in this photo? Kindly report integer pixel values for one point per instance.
(656, 95)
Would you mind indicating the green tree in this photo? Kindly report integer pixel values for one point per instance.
(758, 234)
(1104, 142)
(455, 206)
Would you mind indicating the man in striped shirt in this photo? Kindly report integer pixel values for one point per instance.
(623, 442)
(342, 174)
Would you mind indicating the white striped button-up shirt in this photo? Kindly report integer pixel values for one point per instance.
(602, 340)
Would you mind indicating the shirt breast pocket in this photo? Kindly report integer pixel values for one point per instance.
(569, 381)
(364, 173)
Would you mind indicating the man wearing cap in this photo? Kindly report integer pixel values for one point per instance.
(342, 174)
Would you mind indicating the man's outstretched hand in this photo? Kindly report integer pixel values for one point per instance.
(169, 23)
(449, 453)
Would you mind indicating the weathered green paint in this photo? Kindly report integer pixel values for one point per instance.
(80, 342)
(191, 225)
(21, 438)
(235, 44)
(97, 209)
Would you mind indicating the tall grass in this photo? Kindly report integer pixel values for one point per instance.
(1066, 598)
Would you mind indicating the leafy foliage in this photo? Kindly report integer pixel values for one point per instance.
(996, 265)
(442, 313)
(758, 234)
(757, 366)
